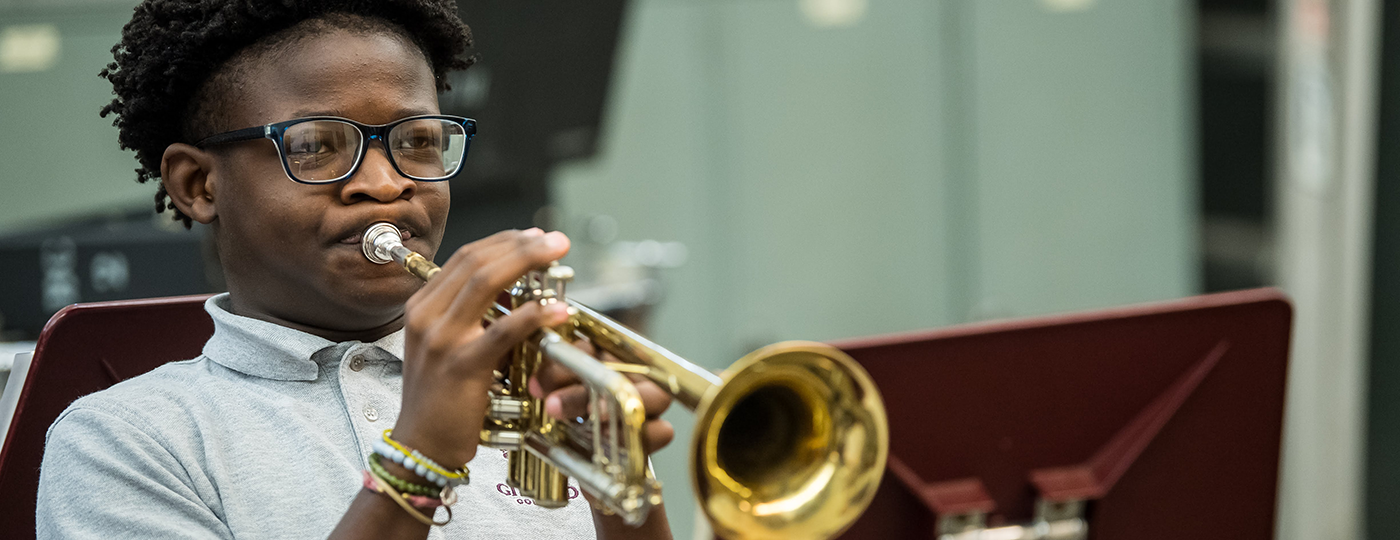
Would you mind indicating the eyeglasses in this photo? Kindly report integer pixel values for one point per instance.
(327, 149)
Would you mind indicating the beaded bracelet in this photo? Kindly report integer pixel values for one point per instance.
(412, 463)
(407, 502)
(420, 464)
(417, 501)
(400, 484)
(424, 466)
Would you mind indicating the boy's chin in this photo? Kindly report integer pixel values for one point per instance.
(381, 295)
(369, 300)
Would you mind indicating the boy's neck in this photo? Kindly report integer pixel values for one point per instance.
(367, 335)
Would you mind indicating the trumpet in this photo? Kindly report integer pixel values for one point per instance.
(790, 441)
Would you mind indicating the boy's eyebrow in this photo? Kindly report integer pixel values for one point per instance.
(401, 113)
(303, 113)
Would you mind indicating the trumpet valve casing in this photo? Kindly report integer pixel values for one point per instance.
(536, 479)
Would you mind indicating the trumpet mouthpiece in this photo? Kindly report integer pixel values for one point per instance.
(379, 241)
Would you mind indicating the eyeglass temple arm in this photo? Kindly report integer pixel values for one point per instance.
(245, 134)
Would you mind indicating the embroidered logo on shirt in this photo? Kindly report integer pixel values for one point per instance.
(510, 492)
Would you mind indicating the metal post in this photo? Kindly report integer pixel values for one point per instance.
(1327, 138)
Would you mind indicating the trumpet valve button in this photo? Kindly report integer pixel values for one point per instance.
(560, 273)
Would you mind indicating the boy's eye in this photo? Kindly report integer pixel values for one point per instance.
(309, 155)
(419, 140)
(309, 146)
(417, 143)
(318, 140)
(316, 153)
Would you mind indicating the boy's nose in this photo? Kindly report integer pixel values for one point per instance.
(376, 180)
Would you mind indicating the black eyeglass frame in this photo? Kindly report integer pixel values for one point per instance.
(276, 130)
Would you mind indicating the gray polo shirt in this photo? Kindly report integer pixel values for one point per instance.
(263, 436)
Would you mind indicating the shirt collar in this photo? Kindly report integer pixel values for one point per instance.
(271, 351)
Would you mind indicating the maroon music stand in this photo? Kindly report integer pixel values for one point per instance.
(85, 348)
(1164, 420)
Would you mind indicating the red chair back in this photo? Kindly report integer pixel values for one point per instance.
(83, 349)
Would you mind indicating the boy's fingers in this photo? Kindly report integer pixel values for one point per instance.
(572, 401)
(439, 293)
(586, 346)
(510, 330)
(567, 403)
(480, 289)
(468, 262)
(656, 434)
(551, 376)
(655, 399)
(503, 237)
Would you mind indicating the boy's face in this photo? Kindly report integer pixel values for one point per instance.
(291, 251)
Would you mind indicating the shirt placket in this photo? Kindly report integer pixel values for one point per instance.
(370, 401)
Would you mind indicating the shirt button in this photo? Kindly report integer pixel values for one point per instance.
(357, 363)
(371, 413)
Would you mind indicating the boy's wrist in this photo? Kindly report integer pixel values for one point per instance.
(453, 443)
(449, 454)
(403, 473)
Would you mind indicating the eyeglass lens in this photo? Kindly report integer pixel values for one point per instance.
(325, 150)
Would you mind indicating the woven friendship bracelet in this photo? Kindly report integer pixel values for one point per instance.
(400, 484)
(407, 502)
(418, 463)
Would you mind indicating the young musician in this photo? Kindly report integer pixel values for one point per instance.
(316, 350)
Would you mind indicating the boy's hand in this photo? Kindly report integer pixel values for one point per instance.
(449, 354)
(566, 398)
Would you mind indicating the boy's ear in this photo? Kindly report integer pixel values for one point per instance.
(189, 178)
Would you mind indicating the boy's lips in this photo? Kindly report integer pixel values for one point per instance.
(355, 238)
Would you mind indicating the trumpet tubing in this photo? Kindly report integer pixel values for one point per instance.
(790, 441)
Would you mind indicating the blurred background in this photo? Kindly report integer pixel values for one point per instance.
(737, 172)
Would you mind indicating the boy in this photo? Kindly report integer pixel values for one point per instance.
(316, 351)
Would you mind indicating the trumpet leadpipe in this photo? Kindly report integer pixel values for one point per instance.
(687, 382)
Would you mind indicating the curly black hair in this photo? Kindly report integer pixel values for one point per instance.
(176, 59)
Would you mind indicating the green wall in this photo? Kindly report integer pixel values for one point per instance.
(59, 157)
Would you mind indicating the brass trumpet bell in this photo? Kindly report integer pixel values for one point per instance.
(791, 444)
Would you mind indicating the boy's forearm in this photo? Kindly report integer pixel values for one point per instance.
(372, 515)
(613, 528)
